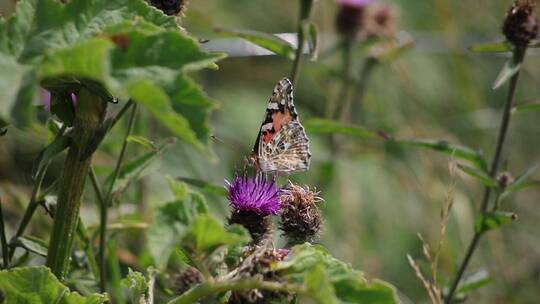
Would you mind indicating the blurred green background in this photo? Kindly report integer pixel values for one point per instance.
(378, 195)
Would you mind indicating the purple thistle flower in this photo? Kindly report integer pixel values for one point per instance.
(257, 195)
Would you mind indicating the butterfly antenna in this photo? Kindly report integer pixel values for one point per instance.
(226, 144)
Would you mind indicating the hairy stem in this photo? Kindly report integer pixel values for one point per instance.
(106, 202)
(519, 54)
(88, 119)
(305, 11)
(3, 238)
(206, 289)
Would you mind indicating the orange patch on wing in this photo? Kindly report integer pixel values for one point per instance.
(278, 120)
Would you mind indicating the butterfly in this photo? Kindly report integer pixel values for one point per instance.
(282, 146)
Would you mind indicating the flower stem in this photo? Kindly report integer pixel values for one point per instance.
(3, 239)
(106, 202)
(519, 54)
(305, 12)
(88, 119)
(342, 101)
(205, 289)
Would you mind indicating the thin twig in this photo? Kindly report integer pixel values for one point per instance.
(108, 197)
(519, 54)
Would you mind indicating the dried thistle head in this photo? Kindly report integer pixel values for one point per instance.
(351, 16)
(521, 24)
(183, 281)
(170, 7)
(381, 21)
(300, 219)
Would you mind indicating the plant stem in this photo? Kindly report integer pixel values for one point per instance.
(32, 205)
(205, 289)
(305, 11)
(342, 101)
(107, 202)
(88, 119)
(519, 54)
(5, 253)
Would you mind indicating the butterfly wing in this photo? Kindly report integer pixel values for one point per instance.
(287, 152)
(282, 145)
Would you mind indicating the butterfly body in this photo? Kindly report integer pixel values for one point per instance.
(282, 146)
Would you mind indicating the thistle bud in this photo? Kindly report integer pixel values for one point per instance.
(521, 25)
(504, 179)
(252, 201)
(350, 17)
(300, 219)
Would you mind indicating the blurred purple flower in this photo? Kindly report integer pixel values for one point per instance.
(45, 99)
(355, 3)
(257, 195)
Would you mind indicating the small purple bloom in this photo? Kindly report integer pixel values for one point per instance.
(257, 194)
(45, 99)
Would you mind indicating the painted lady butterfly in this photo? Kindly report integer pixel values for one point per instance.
(282, 146)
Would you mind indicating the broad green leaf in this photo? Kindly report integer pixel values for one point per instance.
(59, 144)
(136, 168)
(313, 41)
(492, 47)
(116, 48)
(137, 285)
(207, 234)
(349, 285)
(30, 34)
(319, 287)
(521, 182)
(327, 126)
(37, 285)
(171, 222)
(158, 103)
(204, 186)
(11, 84)
(528, 107)
(264, 40)
(479, 175)
(509, 69)
(33, 244)
(143, 141)
(493, 220)
(461, 152)
(473, 282)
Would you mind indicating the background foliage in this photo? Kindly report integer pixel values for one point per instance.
(378, 194)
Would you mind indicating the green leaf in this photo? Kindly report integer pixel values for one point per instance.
(473, 282)
(104, 45)
(461, 152)
(493, 220)
(509, 69)
(521, 182)
(207, 234)
(479, 175)
(319, 287)
(33, 244)
(349, 285)
(136, 168)
(59, 144)
(264, 40)
(528, 107)
(327, 126)
(492, 47)
(313, 41)
(159, 104)
(143, 141)
(37, 285)
(138, 286)
(171, 222)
